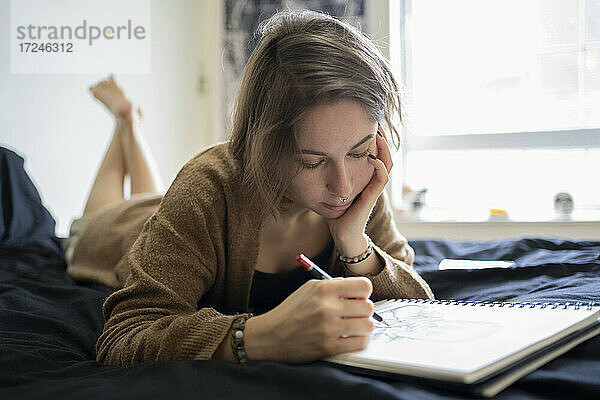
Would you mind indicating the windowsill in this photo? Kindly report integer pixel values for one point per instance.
(566, 219)
(571, 227)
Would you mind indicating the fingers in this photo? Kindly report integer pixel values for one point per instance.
(409, 255)
(383, 151)
(354, 327)
(357, 308)
(359, 288)
(353, 287)
(353, 343)
(346, 335)
(344, 345)
(382, 163)
(379, 180)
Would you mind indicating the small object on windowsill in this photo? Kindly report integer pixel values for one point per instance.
(563, 203)
(497, 214)
(419, 200)
(414, 200)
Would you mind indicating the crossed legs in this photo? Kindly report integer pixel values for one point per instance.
(127, 153)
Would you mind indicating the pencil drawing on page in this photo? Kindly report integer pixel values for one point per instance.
(420, 323)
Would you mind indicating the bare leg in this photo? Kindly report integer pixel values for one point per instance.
(127, 153)
(140, 164)
(108, 185)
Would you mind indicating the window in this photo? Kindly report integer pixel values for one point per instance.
(503, 105)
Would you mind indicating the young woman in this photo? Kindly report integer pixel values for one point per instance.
(213, 272)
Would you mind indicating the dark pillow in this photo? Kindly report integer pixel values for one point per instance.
(23, 218)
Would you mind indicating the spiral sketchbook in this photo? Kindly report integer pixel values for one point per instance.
(480, 347)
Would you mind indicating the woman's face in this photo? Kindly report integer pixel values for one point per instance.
(335, 140)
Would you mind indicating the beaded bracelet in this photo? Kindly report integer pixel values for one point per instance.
(359, 258)
(236, 334)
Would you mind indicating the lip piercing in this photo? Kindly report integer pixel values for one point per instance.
(343, 199)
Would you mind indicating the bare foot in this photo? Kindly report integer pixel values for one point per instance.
(111, 95)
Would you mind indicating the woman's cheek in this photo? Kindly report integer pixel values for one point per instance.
(364, 174)
(312, 186)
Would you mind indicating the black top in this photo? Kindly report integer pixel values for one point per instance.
(269, 290)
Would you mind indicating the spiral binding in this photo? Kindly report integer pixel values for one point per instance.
(509, 304)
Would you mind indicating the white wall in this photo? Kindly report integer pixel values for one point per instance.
(62, 132)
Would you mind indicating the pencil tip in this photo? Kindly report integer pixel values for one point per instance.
(385, 323)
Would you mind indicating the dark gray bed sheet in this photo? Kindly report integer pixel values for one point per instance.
(49, 323)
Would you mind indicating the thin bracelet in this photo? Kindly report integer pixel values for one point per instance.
(359, 258)
(236, 334)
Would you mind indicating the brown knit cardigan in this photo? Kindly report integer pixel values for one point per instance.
(189, 272)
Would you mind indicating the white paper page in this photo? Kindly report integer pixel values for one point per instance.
(463, 338)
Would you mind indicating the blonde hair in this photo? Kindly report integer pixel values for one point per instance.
(304, 59)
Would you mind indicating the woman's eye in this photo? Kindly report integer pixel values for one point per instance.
(361, 155)
(311, 166)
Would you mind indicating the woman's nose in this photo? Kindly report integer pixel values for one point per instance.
(340, 181)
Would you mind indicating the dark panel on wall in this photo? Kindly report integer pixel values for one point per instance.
(242, 17)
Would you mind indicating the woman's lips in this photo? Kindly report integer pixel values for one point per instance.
(338, 208)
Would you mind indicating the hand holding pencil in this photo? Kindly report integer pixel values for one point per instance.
(320, 274)
(322, 318)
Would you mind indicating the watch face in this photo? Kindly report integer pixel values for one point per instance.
(563, 203)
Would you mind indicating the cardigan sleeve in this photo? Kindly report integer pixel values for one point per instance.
(397, 279)
(171, 265)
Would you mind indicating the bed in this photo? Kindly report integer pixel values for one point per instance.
(49, 323)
